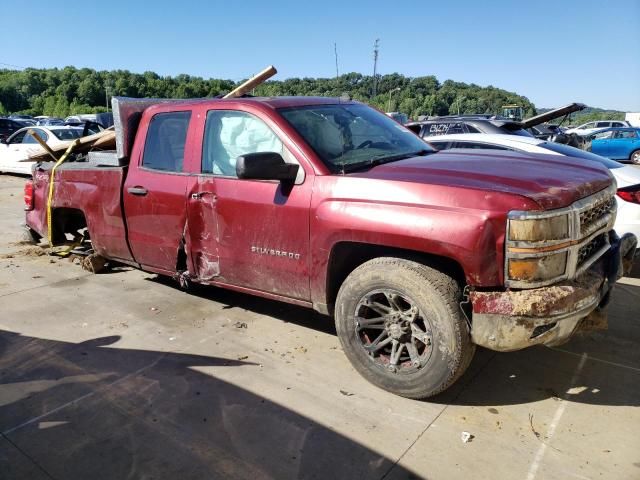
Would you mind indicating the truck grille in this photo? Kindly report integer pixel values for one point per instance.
(591, 248)
(592, 218)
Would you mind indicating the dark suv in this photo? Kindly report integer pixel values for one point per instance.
(448, 125)
(8, 126)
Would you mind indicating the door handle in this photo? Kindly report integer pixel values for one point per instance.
(140, 191)
(199, 195)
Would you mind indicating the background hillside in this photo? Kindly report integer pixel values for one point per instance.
(589, 114)
(61, 92)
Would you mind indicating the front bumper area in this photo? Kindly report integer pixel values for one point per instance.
(516, 319)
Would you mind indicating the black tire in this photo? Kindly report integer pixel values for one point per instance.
(427, 300)
(635, 157)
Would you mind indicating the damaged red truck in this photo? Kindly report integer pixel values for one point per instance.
(418, 255)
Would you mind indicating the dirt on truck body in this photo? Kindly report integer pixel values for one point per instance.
(331, 205)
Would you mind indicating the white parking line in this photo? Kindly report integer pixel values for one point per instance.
(535, 465)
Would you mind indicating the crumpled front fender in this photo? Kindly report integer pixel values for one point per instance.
(516, 319)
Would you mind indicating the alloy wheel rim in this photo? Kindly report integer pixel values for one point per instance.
(394, 333)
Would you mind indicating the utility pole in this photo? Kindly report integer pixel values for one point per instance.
(397, 89)
(376, 45)
(107, 88)
(335, 51)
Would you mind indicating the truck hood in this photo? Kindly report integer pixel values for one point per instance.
(552, 181)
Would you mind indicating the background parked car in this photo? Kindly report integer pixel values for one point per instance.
(50, 121)
(16, 116)
(105, 120)
(616, 143)
(449, 125)
(8, 126)
(19, 145)
(627, 176)
(587, 128)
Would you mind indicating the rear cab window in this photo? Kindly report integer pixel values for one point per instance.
(165, 142)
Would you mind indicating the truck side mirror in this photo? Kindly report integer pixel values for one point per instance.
(265, 166)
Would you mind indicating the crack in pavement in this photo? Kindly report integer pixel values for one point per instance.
(462, 389)
(45, 285)
(27, 456)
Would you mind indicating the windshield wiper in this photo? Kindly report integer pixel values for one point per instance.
(381, 159)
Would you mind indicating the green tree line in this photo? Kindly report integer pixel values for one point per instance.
(61, 92)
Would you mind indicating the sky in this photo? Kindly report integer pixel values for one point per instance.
(551, 52)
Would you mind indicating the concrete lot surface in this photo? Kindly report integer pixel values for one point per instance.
(123, 376)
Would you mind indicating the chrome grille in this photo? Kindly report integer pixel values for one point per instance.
(592, 216)
(587, 250)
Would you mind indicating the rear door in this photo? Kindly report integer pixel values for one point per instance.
(155, 191)
(249, 233)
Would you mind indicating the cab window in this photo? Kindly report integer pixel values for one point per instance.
(230, 134)
(165, 142)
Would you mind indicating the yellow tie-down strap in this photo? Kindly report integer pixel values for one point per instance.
(62, 159)
(59, 162)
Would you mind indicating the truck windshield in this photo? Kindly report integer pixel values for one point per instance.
(349, 137)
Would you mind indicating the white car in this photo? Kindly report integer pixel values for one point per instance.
(627, 176)
(21, 144)
(587, 128)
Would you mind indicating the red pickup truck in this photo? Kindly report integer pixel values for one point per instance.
(418, 255)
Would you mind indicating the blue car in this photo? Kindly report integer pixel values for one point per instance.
(617, 144)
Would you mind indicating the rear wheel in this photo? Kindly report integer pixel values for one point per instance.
(400, 325)
(635, 157)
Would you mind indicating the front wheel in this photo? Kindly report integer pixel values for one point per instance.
(401, 327)
(635, 157)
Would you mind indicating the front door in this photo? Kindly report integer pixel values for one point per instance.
(248, 233)
(155, 193)
(623, 143)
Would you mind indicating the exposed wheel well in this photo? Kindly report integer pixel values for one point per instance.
(346, 256)
(66, 221)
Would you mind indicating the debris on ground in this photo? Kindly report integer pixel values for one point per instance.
(94, 263)
(240, 325)
(243, 357)
(26, 252)
(466, 437)
(346, 394)
(535, 432)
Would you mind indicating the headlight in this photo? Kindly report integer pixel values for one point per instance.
(537, 248)
(543, 248)
(539, 229)
(538, 268)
